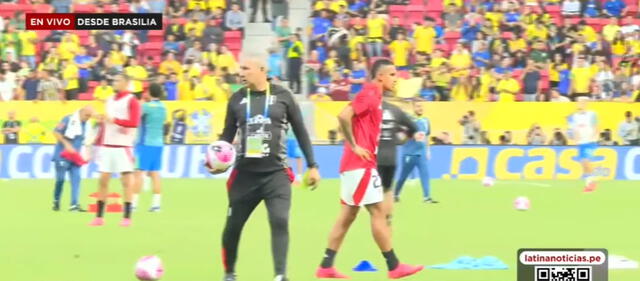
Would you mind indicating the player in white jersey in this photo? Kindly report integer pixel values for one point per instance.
(115, 141)
(584, 130)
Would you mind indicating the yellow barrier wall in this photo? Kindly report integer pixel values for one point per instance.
(444, 116)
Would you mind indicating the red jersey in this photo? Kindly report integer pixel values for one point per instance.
(366, 128)
(135, 111)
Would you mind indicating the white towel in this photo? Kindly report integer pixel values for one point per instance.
(74, 127)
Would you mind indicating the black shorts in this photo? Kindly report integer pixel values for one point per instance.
(387, 172)
(248, 186)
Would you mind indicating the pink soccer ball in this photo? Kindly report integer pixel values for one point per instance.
(149, 268)
(220, 155)
(522, 203)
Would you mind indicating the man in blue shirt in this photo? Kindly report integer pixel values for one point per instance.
(482, 57)
(171, 86)
(84, 63)
(149, 145)
(30, 86)
(358, 77)
(414, 154)
(321, 25)
(615, 8)
(70, 136)
(564, 84)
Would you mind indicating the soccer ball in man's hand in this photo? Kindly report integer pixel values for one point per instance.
(220, 156)
(149, 268)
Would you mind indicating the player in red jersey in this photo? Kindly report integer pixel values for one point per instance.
(360, 123)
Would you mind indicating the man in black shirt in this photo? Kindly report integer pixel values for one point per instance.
(262, 113)
(11, 128)
(394, 121)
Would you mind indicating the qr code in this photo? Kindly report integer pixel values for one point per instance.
(564, 273)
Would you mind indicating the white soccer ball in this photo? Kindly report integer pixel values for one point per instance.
(220, 155)
(488, 181)
(522, 203)
(149, 268)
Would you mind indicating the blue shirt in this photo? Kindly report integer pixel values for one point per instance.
(592, 9)
(275, 65)
(357, 74)
(30, 87)
(172, 46)
(470, 32)
(512, 17)
(481, 55)
(439, 31)
(172, 90)
(414, 147)
(428, 94)
(503, 70)
(76, 142)
(320, 26)
(322, 54)
(151, 131)
(615, 7)
(83, 72)
(565, 81)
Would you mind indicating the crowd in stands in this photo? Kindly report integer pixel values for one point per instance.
(194, 57)
(480, 50)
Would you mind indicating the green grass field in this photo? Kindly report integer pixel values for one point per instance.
(37, 244)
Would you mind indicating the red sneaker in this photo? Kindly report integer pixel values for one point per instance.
(404, 270)
(591, 187)
(330, 273)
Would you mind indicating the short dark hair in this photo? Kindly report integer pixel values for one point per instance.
(155, 90)
(627, 114)
(375, 68)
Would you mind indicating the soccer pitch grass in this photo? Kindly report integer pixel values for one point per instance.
(37, 244)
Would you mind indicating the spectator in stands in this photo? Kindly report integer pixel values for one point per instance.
(213, 33)
(605, 138)
(536, 136)
(294, 58)
(7, 87)
(558, 138)
(254, 10)
(194, 53)
(312, 69)
(452, 18)
(156, 6)
(507, 87)
(70, 74)
(396, 29)
(340, 87)
(629, 130)
(30, 86)
(176, 29)
(61, 6)
(116, 57)
(171, 86)
(532, 81)
(170, 45)
(170, 65)
(580, 79)
(227, 60)
(11, 128)
(235, 19)
(84, 63)
(176, 9)
(604, 79)
(571, 8)
(482, 57)
(320, 25)
(471, 126)
(591, 9)
(615, 8)
(376, 28)
(130, 43)
(428, 91)
(460, 62)
(400, 50)
(321, 95)
(28, 41)
(103, 91)
(49, 88)
(137, 75)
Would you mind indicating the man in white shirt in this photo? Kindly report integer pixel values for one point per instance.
(7, 88)
(571, 8)
(629, 130)
(584, 130)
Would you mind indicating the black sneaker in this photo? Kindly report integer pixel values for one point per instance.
(229, 277)
(396, 199)
(430, 201)
(76, 208)
(56, 206)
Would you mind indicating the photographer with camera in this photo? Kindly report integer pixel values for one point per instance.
(629, 129)
(558, 138)
(605, 138)
(471, 134)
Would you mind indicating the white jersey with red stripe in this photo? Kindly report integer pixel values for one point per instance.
(114, 134)
(361, 187)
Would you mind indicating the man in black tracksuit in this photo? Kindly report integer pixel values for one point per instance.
(262, 113)
(394, 120)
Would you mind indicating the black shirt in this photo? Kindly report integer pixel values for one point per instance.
(11, 138)
(283, 114)
(393, 121)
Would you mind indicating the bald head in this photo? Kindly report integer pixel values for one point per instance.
(86, 112)
(253, 70)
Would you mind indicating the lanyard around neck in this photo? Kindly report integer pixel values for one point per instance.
(266, 102)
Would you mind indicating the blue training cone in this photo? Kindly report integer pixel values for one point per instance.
(365, 266)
